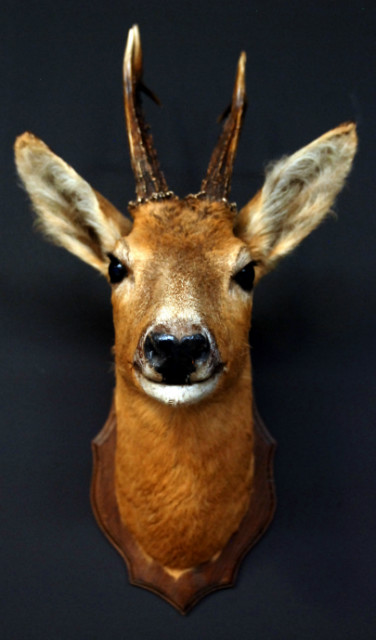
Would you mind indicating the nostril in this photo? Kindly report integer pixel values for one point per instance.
(159, 346)
(195, 347)
(176, 359)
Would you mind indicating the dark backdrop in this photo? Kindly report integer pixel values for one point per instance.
(311, 66)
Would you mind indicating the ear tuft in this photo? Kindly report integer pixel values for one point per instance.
(297, 194)
(69, 211)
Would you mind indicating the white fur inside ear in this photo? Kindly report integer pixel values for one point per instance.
(68, 209)
(297, 194)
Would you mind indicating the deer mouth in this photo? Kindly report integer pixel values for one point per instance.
(189, 392)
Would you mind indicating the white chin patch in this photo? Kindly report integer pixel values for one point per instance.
(176, 393)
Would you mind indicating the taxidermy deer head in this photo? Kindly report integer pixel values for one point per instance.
(183, 469)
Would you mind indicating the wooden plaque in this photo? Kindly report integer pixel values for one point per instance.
(184, 592)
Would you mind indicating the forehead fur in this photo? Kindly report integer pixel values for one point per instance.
(183, 222)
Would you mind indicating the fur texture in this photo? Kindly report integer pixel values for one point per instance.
(179, 468)
(69, 212)
(184, 470)
(297, 194)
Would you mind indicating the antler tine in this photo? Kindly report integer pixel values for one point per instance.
(150, 181)
(217, 183)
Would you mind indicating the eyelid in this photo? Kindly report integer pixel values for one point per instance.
(122, 252)
(114, 258)
(242, 260)
(254, 263)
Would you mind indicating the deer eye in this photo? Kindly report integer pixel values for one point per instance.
(245, 277)
(116, 270)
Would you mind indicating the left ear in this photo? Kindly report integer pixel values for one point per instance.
(297, 194)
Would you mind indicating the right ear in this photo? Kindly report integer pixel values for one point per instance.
(297, 194)
(69, 211)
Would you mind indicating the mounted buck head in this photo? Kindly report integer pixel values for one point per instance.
(182, 277)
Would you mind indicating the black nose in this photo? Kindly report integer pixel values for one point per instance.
(176, 359)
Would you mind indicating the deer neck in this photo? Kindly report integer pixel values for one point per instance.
(183, 474)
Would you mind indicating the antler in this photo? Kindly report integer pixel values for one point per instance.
(217, 183)
(150, 181)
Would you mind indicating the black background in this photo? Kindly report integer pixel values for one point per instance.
(311, 66)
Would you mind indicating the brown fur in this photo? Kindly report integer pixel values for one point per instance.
(183, 474)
